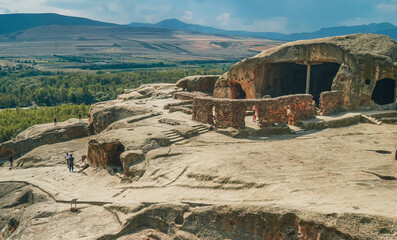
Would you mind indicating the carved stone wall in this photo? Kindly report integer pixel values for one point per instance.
(231, 112)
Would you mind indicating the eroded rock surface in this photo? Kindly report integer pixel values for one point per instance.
(200, 83)
(175, 179)
(126, 104)
(44, 134)
(242, 222)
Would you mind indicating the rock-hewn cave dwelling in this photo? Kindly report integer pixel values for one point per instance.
(361, 70)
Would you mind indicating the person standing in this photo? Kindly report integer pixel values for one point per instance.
(67, 156)
(11, 160)
(71, 162)
(79, 116)
(55, 120)
(255, 112)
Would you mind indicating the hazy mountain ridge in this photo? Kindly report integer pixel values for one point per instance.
(11, 23)
(376, 28)
(23, 21)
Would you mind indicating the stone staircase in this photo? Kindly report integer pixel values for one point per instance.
(389, 117)
(369, 119)
(172, 136)
(200, 129)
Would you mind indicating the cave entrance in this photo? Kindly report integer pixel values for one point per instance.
(321, 78)
(284, 79)
(114, 157)
(292, 78)
(238, 91)
(384, 91)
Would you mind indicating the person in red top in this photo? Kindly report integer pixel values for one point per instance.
(255, 112)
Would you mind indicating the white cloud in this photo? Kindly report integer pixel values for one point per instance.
(390, 6)
(4, 10)
(113, 7)
(276, 24)
(188, 16)
(223, 19)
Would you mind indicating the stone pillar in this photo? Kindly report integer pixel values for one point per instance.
(308, 78)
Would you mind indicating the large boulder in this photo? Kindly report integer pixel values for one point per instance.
(352, 65)
(200, 83)
(44, 134)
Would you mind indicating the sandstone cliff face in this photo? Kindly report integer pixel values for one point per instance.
(350, 64)
(44, 134)
(200, 83)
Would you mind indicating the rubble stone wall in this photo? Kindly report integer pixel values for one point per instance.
(231, 112)
(202, 110)
(286, 109)
(330, 102)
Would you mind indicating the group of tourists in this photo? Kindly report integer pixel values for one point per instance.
(79, 116)
(70, 161)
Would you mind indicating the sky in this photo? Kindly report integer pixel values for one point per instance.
(285, 16)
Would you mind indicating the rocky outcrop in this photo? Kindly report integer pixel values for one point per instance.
(133, 163)
(159, 90)
(105, 113)
(126, 104)
(44, 134)
(241, 222)
(50, 155)
(117, 149)
(200, 83)
(352, 65)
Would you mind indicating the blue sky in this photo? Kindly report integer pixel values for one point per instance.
(252, 15)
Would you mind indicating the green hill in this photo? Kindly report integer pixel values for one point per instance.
(22, 21)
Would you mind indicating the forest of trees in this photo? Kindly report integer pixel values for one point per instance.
(27, 87)
(71, 93)
(13, 121)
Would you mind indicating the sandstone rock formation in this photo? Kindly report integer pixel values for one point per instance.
(105, 149)
(362, 67)
(200, 83)
(105, 113)
(50, 155)
(44, 134)
(171, 178)
(156, 90)
(239, 222)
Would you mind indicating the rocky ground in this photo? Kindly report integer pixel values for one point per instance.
(152, 174)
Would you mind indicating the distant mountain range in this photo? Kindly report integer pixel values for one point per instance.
(176, 24)
(376, 28)
(10, 23)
